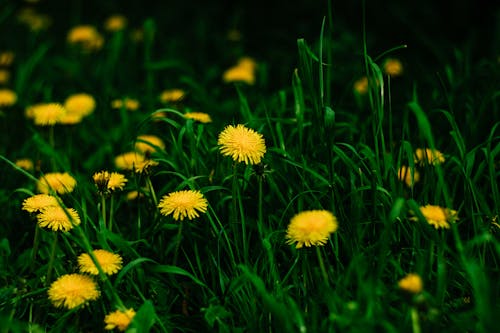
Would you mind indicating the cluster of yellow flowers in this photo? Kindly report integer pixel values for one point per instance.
(86, 38)
(75, 108)
(427, 156)
(139, 160)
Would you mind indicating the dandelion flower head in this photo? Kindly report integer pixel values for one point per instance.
(73, 290)
(110, 262)
(46, 114)
(182, 204)
(239, 74)
(61, 183)
(4, 76)
(411, 283)
(428, 156)
(242, 144)
(119, 319)
(25, 164)
(438, 217)
(37, 202)
(85, 36)
(198, 116)
(172, 95)
(393, 67)
(361, 85)
(134, 161)
(115, 23)
(129, 104)
(58, 218)
(108, 182)
(312, 227)
(148, 144)
(6, 58)
(80, 104)
(408, 175)
(7, 97)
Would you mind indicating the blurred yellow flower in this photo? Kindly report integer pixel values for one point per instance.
(73, 290)
(37, 202)
(242, 144)
(46, 114)
(129, 104)
(58, 218)
(408, 175)
(311, 227)
(172, 95)
(7, 97)
(109, 182)
(79, 105)
(86, 37)
(361, 85)
(182, 204)
(134, 161)
(239, 74)
(411, 283)
(25, 163)
(6, 58)
(147, 144)
(4, 76)
(115, 23)
(61, 183)
(198, 116)
(428, 156)
(437, 216)
(119, 319)
(393, 67)
(33, 20)
(110, 262)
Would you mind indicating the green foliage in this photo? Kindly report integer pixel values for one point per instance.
(330, 146)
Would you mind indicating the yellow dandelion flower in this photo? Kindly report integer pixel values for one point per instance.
(172, 95)
(73, 290)
(242, 144)
(361, 86)
(411, 283)
(133, 195)
(147, 144)
(58, 218)
(129, 104)
(85, 36)
(134, 161)
(7, 97)
(405, 175)
(115, 23)
(37, 202)
(182, 204)
(46, 114)
(239, 74)
(109, 182)
(198, 116)
(393, 67)
(25, 163)
(6, 58)
(80, 104)
(61, 183)
(437, 216)
(311, 227)
(247, 62)
(119, 319)
(4, 76)
(110, 262)
(428, 156)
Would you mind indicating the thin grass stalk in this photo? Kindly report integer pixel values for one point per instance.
(103, 211)
(178, 242)
(322, 265)
(36, 243)
(415, 321)
(52, 257)
(111, 208)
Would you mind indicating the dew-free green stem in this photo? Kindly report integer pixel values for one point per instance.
(103, 210)
(415, 322)
(52, 257)
(36, 241)
(178, 242)
(322, 265)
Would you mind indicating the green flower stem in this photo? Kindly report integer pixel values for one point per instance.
(178, 244)
(51, 259)
(36, 241)
(415, 323)
(322, 265)
(103, 210)
(111, 208)
(151, 190)
(237, 208)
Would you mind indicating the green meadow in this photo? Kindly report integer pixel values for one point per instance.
(249, 166)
